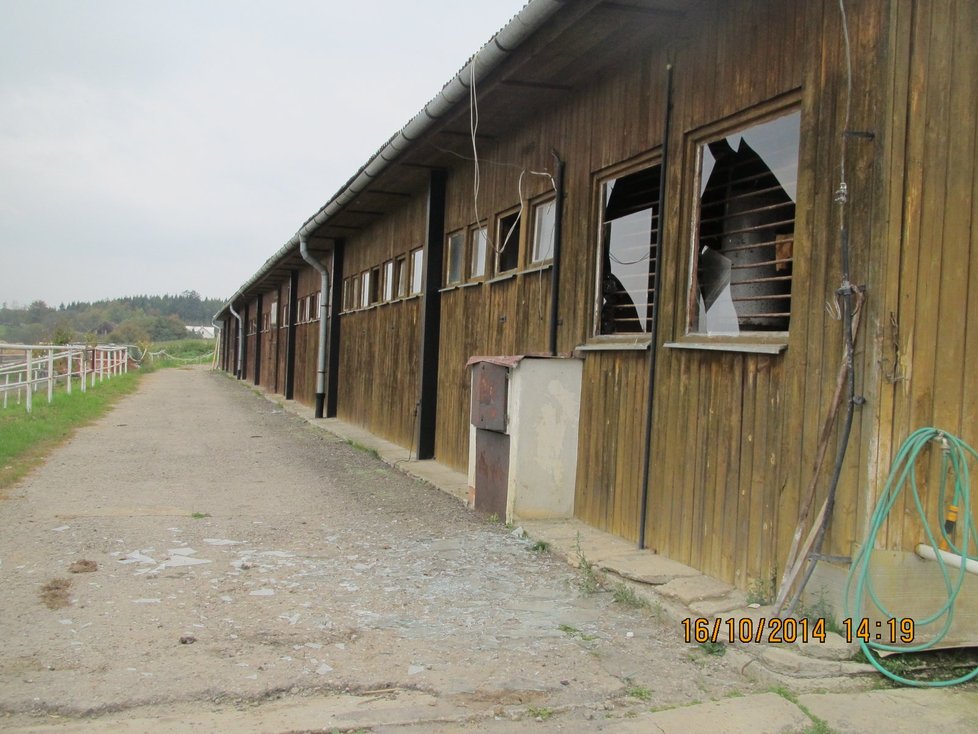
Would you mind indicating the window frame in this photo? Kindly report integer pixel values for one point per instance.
(461, 238)
(387, 289)
(401, 278)
(773, 340)
(501, 231)
(534, 207)
(314, 305)
(416, 271)
(623, 169)
(471, 232)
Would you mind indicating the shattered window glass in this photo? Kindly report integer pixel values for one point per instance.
(745, 228)
(629, 238)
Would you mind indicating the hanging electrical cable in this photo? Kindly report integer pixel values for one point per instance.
(850, 295)
(860, 589)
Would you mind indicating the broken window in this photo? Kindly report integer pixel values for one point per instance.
(508, 242)
(374, 286)
(629, 238)
(743, 243)
(544, 221)
(456, 258)
(401, 267)
(479, 239)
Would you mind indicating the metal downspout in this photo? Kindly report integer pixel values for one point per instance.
(656, 289)
(218, 335)
(323, 301)
(238, 366)
(558, 236)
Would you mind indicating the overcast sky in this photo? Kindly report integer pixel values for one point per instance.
(155, 147)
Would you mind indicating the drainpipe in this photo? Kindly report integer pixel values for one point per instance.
(558, 234)
(218, 335)
(323, 301)
(237, 372)
(643, 510)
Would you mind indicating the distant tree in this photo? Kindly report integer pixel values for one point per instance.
(129, 332)
(63, 334)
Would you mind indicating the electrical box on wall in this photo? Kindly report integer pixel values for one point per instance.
(523, 436)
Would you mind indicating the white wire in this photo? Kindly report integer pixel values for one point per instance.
(476, 176)
(843, 191)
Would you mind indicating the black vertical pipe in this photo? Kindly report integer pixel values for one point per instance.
(335, 308)
(431, 314)
(258, 340)
(558, 233)
(290, 338)
(659, 246)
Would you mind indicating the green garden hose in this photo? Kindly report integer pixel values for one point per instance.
(955, 455)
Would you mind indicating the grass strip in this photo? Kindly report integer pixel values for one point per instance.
(27, 439)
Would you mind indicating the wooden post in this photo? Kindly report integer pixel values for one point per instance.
(29, 380)
(68, 372)
(83, 358)
(50, 374)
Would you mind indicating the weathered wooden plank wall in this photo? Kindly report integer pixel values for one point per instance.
(926, 335)
(379, 350)
(306, 341)
(269, 345)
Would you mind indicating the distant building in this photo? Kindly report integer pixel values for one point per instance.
(205, 332)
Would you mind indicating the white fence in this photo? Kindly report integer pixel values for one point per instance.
(27, 368)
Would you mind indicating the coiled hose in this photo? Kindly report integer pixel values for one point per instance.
(955, 455)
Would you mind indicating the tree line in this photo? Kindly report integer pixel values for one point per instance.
(128, 320)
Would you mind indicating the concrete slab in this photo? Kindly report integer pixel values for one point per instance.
(897, 711)
(648, 568)
(695, 588)
(711, 607)
(766, 713)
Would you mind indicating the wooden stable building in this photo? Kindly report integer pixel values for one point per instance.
(662, 194)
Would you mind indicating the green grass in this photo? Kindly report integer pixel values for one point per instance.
(714, 648)
(25, 440)
(540, 713)
(640, 692)
(587, 577)
(574, 632)
(626, 595)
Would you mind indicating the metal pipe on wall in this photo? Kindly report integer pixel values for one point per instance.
(558, 234)
(323, 305)
(238, 366)
(657, 285)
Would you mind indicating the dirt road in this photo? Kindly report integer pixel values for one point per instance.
(249, 564)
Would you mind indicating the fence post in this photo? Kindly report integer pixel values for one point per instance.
(50, 374)
(30, 380)
(83, 358)
(68, 372)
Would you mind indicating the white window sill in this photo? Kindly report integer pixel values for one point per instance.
(614, 346)
(730, 346)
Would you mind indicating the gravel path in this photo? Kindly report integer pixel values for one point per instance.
(244, 556)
